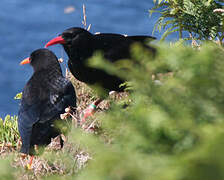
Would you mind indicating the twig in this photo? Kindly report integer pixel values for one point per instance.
(7, 145)
(91, 125)
(218, 10)
(84, 22)
(84, 15)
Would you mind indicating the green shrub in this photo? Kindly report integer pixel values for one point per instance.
(196, 18)
(169, 129)
(9, 134)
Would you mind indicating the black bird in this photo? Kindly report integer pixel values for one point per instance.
(80, 45)
(45, 97)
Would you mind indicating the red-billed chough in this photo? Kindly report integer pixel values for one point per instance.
(45, 97)
(80, 45)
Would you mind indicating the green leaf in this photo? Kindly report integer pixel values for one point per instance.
(18, 96)
(168, 32)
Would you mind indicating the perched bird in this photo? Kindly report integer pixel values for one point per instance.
(45, 97)
(80, 45)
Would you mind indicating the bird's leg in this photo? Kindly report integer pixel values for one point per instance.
(89, 111)
(30, 163)
(112, 94)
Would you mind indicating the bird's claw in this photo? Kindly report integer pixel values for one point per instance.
(28, 166)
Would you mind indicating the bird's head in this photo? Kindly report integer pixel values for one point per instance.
(68, 37)
(41, 59)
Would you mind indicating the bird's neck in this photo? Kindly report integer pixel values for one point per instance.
(48, 74)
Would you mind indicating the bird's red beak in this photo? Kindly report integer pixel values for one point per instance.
(57, 40)
(25, 61)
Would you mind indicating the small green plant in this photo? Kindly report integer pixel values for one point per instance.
(18, 95)
(198, 18)
(9, 134)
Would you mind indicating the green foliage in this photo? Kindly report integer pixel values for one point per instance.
(9, 137)
(9, 130)
(196, 17)
(6, 170)
(169, 131)
(206, 162)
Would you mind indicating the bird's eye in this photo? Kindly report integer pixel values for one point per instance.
(67, 35)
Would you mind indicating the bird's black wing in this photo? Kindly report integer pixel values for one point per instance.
(28, 115)
(33, 99)
(141, 38)
(62, 95)
(114, 39)
(116, 46)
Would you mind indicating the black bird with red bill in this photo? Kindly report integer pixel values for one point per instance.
(45, 97)
(80, 45)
